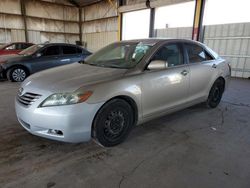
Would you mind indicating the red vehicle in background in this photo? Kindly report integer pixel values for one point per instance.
(14, 48)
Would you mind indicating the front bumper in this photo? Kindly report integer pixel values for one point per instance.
(2, 74)
(73, 122)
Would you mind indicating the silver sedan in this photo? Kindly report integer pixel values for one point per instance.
(122, 85)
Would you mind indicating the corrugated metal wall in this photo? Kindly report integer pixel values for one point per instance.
(179, 33)
(100, 25)
(230, 41)
(46, 21)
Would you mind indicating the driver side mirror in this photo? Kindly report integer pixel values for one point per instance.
(38, 54)
(157, 65)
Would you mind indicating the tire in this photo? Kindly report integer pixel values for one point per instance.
(17, 74)
(215, 94)
(113, 122)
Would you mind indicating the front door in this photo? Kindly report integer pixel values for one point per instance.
(167, 88)
(48, 58)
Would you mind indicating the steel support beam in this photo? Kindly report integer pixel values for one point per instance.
(119, 33)
(198, 19)
(23, 13)
(80, 24)
(152, 22)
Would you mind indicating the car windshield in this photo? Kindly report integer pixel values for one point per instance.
(31, 50)
(119, 55)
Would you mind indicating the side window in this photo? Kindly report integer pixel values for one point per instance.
(51, 50)
(69, 50)
(19, 46)
(11, 47)
(24, 46)
(170, 53)
(197, 54)
(79, 50)
(85, 52)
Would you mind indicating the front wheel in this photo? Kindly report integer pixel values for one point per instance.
(215, 94)
(113, 122)
(17, 74)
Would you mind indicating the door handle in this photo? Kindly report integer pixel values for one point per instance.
(65, 60)
(184, 72)
(214, 66)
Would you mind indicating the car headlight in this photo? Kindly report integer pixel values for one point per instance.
(59, 99)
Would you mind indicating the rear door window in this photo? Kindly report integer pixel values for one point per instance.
(79, 50)
(19, 46)
(69, 50)
(197, 54)
(51, 50)
(24, 45)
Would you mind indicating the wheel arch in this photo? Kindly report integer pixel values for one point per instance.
(126, 98)
(19, 65)
(223, 80)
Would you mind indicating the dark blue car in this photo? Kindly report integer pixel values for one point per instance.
(40, 57)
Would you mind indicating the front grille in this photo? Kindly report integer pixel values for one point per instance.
(28, 98)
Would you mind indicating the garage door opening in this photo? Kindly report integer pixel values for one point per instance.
(175, 21)
(135, 25)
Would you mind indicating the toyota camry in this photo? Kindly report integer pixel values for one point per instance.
(122, 85)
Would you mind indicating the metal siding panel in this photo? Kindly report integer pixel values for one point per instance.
(11, 21)
(5, 36)
(180, 33)
(109, 24)
(95, 41)
(244, 47)
(10, 6)
(34, 36)
(100, 10)
(218, 30)
(17, 35)
(246, 31)
(236, 47)
(222, 48)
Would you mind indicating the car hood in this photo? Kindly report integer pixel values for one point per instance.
(71, 77)
(11, 58)
(6, 57)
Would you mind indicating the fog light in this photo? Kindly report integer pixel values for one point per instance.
(55, 132)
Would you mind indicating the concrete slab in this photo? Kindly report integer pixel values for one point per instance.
(196, 147)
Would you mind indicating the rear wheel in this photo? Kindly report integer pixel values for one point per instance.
(215, 94)
(113, 123)
(17, 74)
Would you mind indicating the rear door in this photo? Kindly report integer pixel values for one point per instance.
(70, 54)
(165, 89)
(203, 70)
(48, 58)
(19, 47)
(25, 45)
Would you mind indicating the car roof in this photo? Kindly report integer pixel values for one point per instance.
(11, 43)
(59, 44)
(19, 43)
(153, 41)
